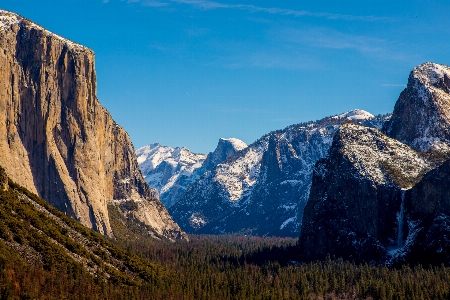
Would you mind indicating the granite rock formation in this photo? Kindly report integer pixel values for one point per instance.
(368, 200)
(421, 115)
(173, 170)
(57, 140)
(427, 220)
(356, 195)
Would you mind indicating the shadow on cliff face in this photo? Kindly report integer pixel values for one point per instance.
(37, 92)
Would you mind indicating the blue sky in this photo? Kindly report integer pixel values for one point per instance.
(187, 72)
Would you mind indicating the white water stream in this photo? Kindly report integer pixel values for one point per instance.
(400, 221)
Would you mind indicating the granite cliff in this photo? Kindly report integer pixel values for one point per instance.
(421, 116)
(356, 195)
(58, 141)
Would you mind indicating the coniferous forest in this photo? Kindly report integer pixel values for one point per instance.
(38, 260)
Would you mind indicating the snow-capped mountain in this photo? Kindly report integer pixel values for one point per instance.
(263, 188)
(169, 170)
(172, 170)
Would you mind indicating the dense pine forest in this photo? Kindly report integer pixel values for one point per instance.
(47, 255)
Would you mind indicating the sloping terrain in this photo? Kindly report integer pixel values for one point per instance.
(47, 238)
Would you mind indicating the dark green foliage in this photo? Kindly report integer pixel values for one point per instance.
(207, 267)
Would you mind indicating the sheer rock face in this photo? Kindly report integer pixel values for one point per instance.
(225, 149)
(421, 116)
(56, 138)
(356, 195)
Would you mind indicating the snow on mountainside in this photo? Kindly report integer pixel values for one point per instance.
(384, 198)
(164, 167)
(421, 116)
(356, 115)
(173, 170)
(264, 188)
(9, 20)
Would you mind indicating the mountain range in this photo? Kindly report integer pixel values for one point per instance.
(265, 185)
(354, 185)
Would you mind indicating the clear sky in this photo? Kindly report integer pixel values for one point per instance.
(187, 72)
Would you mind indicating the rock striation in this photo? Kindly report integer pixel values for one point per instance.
(263, 188)
(57, 140)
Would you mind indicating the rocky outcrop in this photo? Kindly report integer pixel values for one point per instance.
(355, 208)
(262, 189)
(57, 140)
(225, 149)
(421, 116)
(368, 200)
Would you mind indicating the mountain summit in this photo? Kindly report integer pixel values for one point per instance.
(58, 141)
(384, 198)
(421, 116)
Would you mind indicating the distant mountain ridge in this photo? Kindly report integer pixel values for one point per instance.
(173, 170)
(263, 188)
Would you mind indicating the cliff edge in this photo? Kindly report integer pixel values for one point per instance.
(58, 141)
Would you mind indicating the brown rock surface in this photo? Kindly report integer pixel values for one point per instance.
(57, 140)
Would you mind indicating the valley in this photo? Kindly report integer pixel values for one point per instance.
(350, 206)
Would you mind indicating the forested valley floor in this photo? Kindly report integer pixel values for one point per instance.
(45, 254)
(226, 267)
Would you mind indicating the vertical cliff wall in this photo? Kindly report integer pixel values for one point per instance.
(56, 138)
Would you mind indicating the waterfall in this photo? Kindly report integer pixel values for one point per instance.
(400, 221)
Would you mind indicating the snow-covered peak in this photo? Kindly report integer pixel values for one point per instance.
(431, 74)
(236, 143)
(9, 19)
(152, 155)
(356, 115)
(169, 170)
(226, 148)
